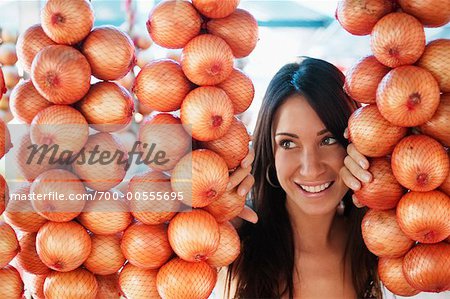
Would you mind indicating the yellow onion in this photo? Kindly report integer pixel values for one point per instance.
(3, 87)
(239, 88)
(9, 35)
(11, 76)
(4, 194)
(398, 39)
(8, 54)
(61, 74)
(433, 61)
(67, 22)
(9, 245)
(128, 81)
(138, 283)
(30, 42)
(4, 105)
(391, 274)
(106, 256)
(201, 176)
(108, 286)
(110, 52)
(34, 284)
(229, 246)
(12, 284)
(239, 30)
(5, 139)
(207, 60)
(161, 85)
(430, 13)
(216, 9)
(27, 258)
(172, 24)
(226, 207)
(437, 127)
(445, 187)
(25, 102)
(79, 283)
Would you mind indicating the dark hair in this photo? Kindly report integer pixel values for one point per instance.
(266, 265)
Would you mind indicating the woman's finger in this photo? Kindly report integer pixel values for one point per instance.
(246, 185)
(238, 176)
(248, 214)
(356, 202)
(248, 160)
(346, 133)
(357, 156)
(349, 179)
(356, 170)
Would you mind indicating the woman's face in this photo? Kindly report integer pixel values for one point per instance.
(307, 158)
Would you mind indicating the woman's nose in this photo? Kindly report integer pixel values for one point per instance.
(311, 164)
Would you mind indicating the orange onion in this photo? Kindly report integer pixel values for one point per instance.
(61, 74)
(12, 284)
(4, 106)
(25, 102)
(9, 245)
(383, 192)
(161, 85)
(148, 184)
(445, 186)
(168, 136)
(79, 283)
(239, 88)
(137, 240)
(138, 283)
(59, 190)
(216, 9)
(432, 60)
(110, 52)
(390, 271)
(207, 60)
(108, 286)
(142, 40)
(430, 13)
(106, 256)
(3, 88)
(4, 194)
(181, 279)
(372, 134)
(8, 54)
(397, 39)
(201, 176)
(194, 235)
(208, 111)
(9, 35)
(427, 267)
(359, 17)
(63, 246)
(172, 24)
(62, 126)
(239, 30)
(144, 57)
(128, 81)
(34, 284)
(382, 234)
(29, 43)
(11, 76)
(363, 78)
(233, 146)
(229, 246)
(226, 207)
(67, 22)
(423, 216)
(420, 163)
(437, 127)
(408, 96)
(27, 258)
(5, 139)
(107, 107)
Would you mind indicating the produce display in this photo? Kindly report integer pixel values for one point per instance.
(403, 126)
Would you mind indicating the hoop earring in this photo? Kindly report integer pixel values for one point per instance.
(268, 177)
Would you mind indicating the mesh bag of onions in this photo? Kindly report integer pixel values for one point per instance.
(403, 127)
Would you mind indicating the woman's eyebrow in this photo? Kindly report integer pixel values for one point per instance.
(287, 134)
(324, 131)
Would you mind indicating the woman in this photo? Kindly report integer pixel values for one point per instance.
(307, 242)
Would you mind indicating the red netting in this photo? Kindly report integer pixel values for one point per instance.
(28, 258)
(106, 256)
(78, 283)
(138, 283)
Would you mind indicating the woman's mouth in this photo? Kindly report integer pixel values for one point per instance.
(315, 188)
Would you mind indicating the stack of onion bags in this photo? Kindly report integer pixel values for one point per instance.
(9, 76)
(404, 129)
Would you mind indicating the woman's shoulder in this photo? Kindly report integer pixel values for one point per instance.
(221, 290)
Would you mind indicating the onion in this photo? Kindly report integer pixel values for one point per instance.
(194, 235)
(12, 285)
(62, 126)
(181, 279)
(161, 85)
(172, 24)
(445, 187)
(430, 13)
(108, 107)
(398, 39)
(9, 35)
(4, 194)
(26, 102)
(383, 236)
(427, 267)
(11, 76)
(142, 40)
(420, 163)
(209, 112)
(34, 284)
(423, 216)
(138, 283)
(207, 60)
(239, 88)
(383, 192)
(144, 57)
(201, 176)
(61, 74)
(67, 22)
(30, 42)
(5, 139)
(106, 256)
(437, 127)
(9, 245)
(229, 246)
(239, 30)
(362, 80)
(108, 287)
(150, 211)
(137, 240)
(80, 284)
(226, 207)
(8, 54)
(216, 9)
(128, 81)
(4, 106)
(432, 61)
(63, 246)
(233, 146)
(27, 258)
(359, 17)
(372, 134)
(390, 271)
(3, 88)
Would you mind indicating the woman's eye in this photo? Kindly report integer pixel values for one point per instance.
(329, 141)
(286, 144)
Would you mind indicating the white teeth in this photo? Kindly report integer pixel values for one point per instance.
(315, 189)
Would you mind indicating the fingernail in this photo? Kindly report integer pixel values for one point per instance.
(366, 178)
(242, 192)
(355, 185)
(229, 186)
(245, 164)
(363, 164)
